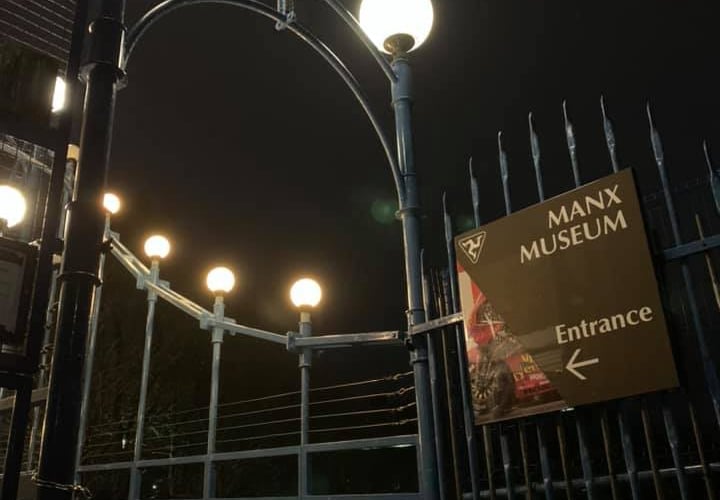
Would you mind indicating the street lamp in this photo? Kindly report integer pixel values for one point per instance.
(12, 207)
(157, 247)
(220, 281)
(305, 294)
(111, 206)
(389, 22)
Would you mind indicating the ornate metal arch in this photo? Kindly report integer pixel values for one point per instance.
(167, 6)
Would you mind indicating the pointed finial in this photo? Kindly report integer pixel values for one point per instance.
(502, 155)
(707, 157)
(475, 193)
(535, 148)
(572, 147)
(655, 138)
(447, 221)
(609, 135)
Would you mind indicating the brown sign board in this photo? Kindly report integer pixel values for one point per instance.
(561, 305)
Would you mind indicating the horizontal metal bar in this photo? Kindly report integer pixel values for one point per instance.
(693, 247)
(172, 297)
(579, 483)
(233, 327)
(371, 496)
(38, 396)
(355, 444)
(435, 324)
(375, 496)
(345, 340)
(105, 467)
(369, 443)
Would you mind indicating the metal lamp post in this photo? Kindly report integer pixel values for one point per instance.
(156, 247)
(397, 31)
(396, 27)
(305, 294)
(111, 204)
(220, 281)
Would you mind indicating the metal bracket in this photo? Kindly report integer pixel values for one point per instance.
(295, 342)
(435, 324)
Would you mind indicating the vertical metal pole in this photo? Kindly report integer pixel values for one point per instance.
(628, 451)
(42, 378)
(605, 430)
(545, 463)
(466, 397)
(16, 440)
(305, 363)
(585, 460)
(657, 480)
(522, 435)
(562, 444)
(409, 215)
(486, 429)
(83, 237)
(90, 357)
(440, 445)
(217, 340)
(674, 442)
(507, 461)
(709, 488)
(579, 417)
(135, 474)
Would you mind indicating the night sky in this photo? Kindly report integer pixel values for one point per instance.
(246, 149)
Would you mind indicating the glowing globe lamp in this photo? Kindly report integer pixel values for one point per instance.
(305, 293)
(220, 280)
(396, 24)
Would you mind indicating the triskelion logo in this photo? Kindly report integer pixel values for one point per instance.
(472, 245)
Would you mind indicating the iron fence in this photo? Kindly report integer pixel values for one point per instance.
(662, 445)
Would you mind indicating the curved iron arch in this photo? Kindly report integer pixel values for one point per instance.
(167, 6)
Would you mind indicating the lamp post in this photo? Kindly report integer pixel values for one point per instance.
(156, 247)
(396, 26)
(111, 206)
(305, 294)
(220, 281)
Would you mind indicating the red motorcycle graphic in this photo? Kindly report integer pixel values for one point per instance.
(502, 373)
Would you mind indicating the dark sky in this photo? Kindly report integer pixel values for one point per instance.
(244, 147)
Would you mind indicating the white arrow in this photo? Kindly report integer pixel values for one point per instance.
(572, 365)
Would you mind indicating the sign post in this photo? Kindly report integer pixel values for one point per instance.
(561, 305)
